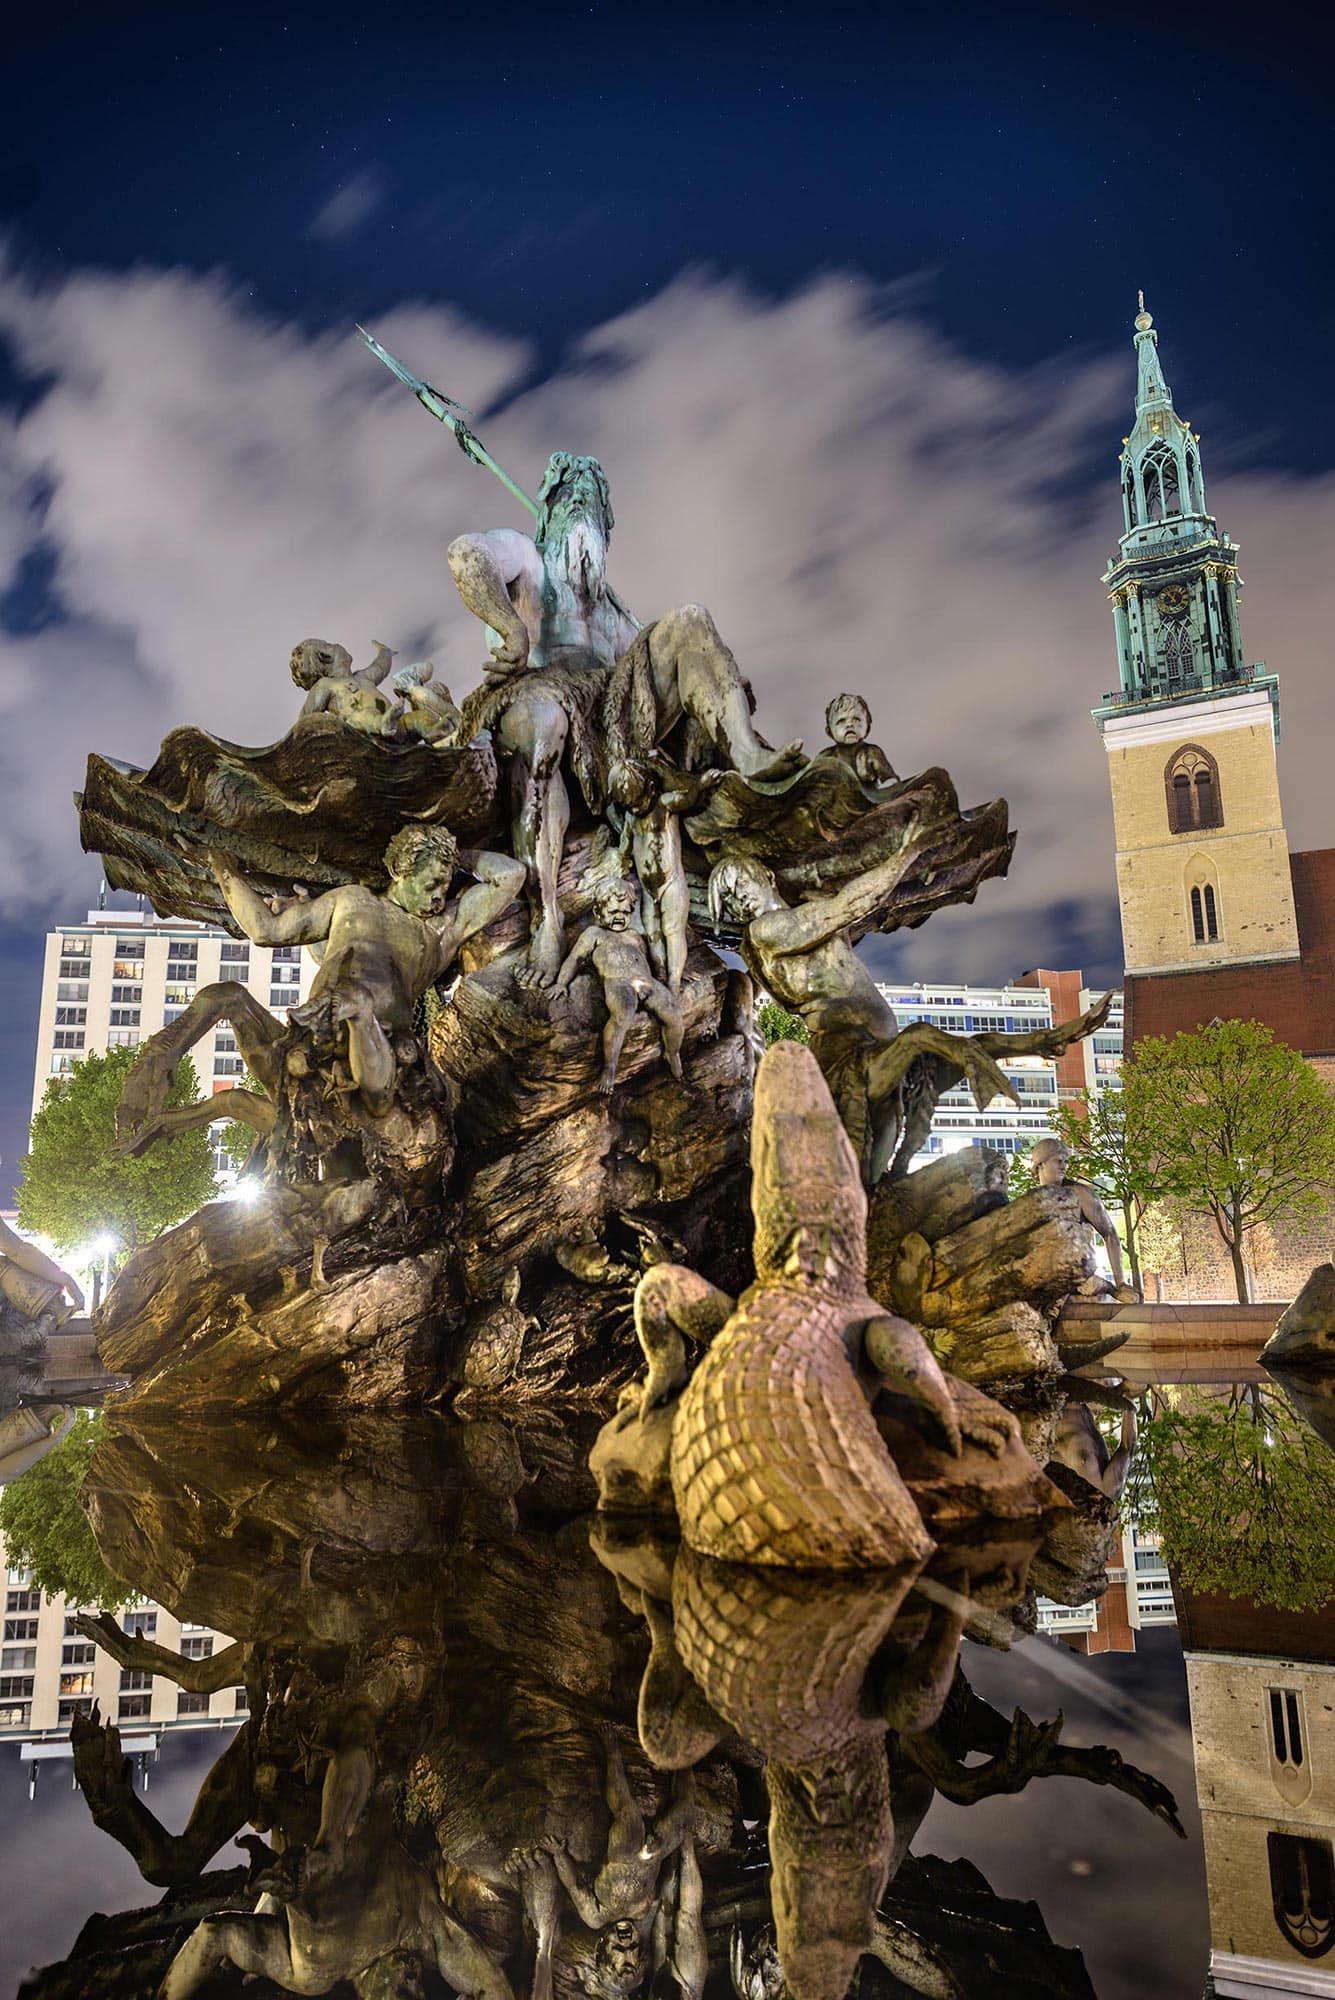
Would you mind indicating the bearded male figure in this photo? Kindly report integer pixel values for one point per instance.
(571, 671)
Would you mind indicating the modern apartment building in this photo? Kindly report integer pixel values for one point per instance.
(1101, 1053)
(970, 1010)
(1139, 1594)
(117, 978)
(48, 1671)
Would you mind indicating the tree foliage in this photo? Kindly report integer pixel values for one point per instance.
(47, 1531)
(1243, 1496)
(1239, 1127)
(72, 1190)
(776, 1024)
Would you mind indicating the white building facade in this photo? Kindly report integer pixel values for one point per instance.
(117, 978)
(970, 1010)
(49, 1671)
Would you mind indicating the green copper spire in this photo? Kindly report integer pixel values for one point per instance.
(1174, 585)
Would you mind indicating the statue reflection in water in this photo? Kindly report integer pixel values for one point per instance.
(491, 1751)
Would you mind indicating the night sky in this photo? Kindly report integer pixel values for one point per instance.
(843, 297)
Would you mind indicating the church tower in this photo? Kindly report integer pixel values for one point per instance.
(1203, 874)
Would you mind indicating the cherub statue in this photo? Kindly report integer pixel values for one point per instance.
(1050, 1160)
(325, 671)
(618, 957)
(651, 843)
(426, 706)
(847, 724)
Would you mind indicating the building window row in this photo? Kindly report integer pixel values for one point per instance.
(68, 1038)
(71, 1017)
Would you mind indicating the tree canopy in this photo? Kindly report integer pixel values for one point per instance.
(1243, 1496)
(1238, 1126)
(776, 1024)
(47, 1531)
(73, 1191)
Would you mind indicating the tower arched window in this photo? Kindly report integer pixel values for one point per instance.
(1163, 495)
(1204, 910)
(1191, 782)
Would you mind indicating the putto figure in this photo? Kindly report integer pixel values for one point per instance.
(571, 674)
(325, 671)
(617, 955)
(848, 725)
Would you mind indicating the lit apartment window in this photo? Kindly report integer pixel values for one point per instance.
(15, 1714)
(75, 947)
(127, 969)
(77, 1683)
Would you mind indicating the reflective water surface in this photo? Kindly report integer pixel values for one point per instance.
(495, 1744)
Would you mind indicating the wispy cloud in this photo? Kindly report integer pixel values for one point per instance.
(352, 204)
(860, 504)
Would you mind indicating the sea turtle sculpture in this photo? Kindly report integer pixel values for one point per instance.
(772, 1447)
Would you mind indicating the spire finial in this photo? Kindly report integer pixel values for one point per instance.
(1143, 319)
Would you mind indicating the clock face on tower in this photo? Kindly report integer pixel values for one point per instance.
(1173, 601)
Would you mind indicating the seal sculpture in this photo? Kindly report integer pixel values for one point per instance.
(775, 1454)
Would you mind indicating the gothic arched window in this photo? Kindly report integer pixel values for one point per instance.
(1191, 781)
(1211, 915)
(1197, 917)
(1302, 1890)
(1162, 494)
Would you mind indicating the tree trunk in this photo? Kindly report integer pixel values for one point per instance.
(1239, 1265)
(1132, 1249)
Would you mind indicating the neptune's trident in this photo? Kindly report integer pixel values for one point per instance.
(451, 413)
